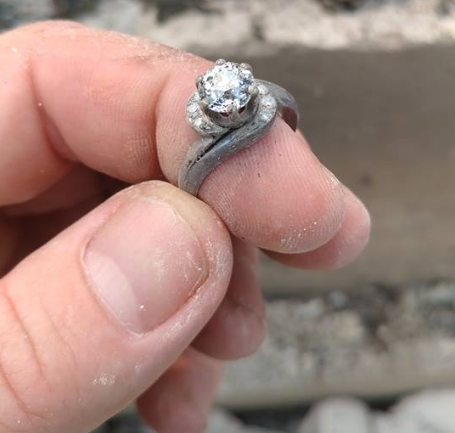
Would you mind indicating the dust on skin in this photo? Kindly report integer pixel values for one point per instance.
(105, 379)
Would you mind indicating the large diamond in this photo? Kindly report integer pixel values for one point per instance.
(225, 86)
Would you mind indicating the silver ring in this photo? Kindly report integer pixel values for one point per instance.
(231, 110)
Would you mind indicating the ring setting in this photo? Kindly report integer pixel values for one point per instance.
(230, 110)
(227, 96)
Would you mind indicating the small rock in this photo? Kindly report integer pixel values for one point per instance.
(427, 412)
(338, 415)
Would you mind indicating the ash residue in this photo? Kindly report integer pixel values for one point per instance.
(375, 340)
(364, 316)
(15, 12)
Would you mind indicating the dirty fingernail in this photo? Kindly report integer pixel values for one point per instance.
(144, 263)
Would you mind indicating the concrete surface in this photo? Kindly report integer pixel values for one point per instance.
(258, 23)
(375, 343)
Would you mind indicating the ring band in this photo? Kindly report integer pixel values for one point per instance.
(231, 110)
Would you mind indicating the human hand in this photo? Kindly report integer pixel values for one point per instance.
(142, 295)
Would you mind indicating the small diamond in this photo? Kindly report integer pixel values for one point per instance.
(202, 125)
(268, 101)
(199, 123)
(266, 115)
(225, 86)
(199, 120)
(263, 90)
(192, 108)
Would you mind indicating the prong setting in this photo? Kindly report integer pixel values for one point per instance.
(253, 89)
(203, 104)
(227, 97)
(246, 66)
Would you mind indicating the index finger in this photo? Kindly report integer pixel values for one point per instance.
(116, 103)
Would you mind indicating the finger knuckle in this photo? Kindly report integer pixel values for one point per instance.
(27, 395)
(49, 26)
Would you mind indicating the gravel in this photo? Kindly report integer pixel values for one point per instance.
(329, 24)
(374, 341)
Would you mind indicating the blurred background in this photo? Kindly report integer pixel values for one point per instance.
(368, 349)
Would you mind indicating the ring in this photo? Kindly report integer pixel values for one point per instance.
(231, 110)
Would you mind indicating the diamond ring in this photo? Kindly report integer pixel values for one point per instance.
(231, 110)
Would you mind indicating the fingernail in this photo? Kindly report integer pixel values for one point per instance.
(144, 264)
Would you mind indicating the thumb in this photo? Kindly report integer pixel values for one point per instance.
(91, 319)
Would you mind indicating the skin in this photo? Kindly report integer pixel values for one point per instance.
(85, 112)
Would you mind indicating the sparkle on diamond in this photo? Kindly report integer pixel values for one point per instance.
(225, 86)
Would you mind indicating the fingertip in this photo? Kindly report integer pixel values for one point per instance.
(181, 399)
(321, 208)
(175, 416)
(277, 195)
(238, 327)
(184, 417)
(234, 332)
(343, 248)
(354, 234)
(352, 237)
(251, 333)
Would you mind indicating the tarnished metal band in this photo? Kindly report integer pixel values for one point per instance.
(209, 152)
